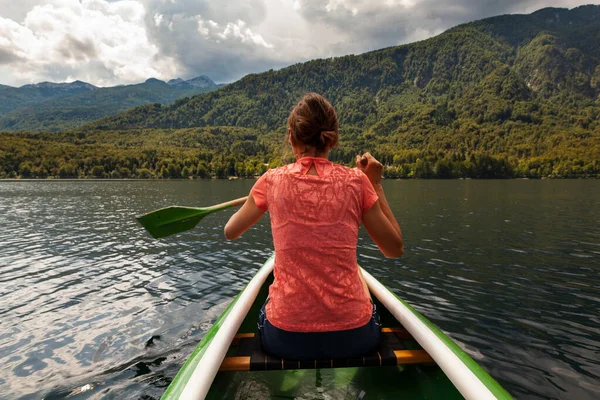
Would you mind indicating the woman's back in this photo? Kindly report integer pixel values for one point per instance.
(315, 221)
(319, 306)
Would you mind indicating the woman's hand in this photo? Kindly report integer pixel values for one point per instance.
(379, 220)
(371, 167)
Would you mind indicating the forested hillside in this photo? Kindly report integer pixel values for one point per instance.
(510, 96)
(51, 107)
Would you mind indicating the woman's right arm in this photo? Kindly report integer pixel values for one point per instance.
(379, 221)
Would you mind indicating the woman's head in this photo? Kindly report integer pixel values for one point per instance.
(313, 124)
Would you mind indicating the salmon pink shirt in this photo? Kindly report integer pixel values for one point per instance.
(315, 221)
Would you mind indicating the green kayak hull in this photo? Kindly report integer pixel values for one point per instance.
(413, 381)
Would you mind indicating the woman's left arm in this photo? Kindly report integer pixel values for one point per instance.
(242, 220)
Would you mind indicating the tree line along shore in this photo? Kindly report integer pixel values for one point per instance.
(224, 152)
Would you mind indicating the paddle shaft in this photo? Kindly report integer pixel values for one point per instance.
(227, 204)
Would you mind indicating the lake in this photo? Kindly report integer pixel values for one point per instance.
(509, 269)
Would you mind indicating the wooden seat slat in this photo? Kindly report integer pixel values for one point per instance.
(403, 357)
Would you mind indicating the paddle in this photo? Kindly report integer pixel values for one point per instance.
(171, 220)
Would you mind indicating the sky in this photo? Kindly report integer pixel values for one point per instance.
(109, 42)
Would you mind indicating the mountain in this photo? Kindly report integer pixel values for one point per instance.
(12, 98)
(53, 88)
(525, 58)
(201, 81)
(48, 106)
(508, 96)
(198, 82)
(178, 82)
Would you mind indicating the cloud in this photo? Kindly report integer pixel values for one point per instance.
(95, 40)
(361, 25)
(109, 42)
(78, 49)
(8, 57)
(17, 10)
(218, 39)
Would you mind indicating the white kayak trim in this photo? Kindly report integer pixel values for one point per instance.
(459, 374)
(202, 378)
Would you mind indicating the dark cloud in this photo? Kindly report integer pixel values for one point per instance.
(7, 57)
(253, 12)
(77, 49)
(212, 38)
(369, 26)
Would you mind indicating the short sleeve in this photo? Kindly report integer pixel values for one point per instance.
(259, 192)
(369, 196)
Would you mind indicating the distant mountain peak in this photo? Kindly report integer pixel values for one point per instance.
(175, 81)
(201, 81)
(181, 84)
(65, 86)
(154, 80)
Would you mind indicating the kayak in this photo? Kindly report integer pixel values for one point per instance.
(415, 359)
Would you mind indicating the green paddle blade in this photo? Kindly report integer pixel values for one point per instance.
(171, 220)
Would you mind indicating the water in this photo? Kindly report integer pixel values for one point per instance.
(509, 269)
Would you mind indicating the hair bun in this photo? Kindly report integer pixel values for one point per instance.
(329, 138)
(314, 123)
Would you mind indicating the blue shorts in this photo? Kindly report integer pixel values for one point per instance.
(349, 343)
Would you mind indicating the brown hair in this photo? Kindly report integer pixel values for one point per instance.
(314, 123)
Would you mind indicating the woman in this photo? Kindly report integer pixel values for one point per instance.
(319, 306)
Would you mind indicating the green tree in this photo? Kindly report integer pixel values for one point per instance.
(144, 173)
(185, 172)
(97, 171)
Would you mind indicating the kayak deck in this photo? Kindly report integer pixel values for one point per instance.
(418, 380)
